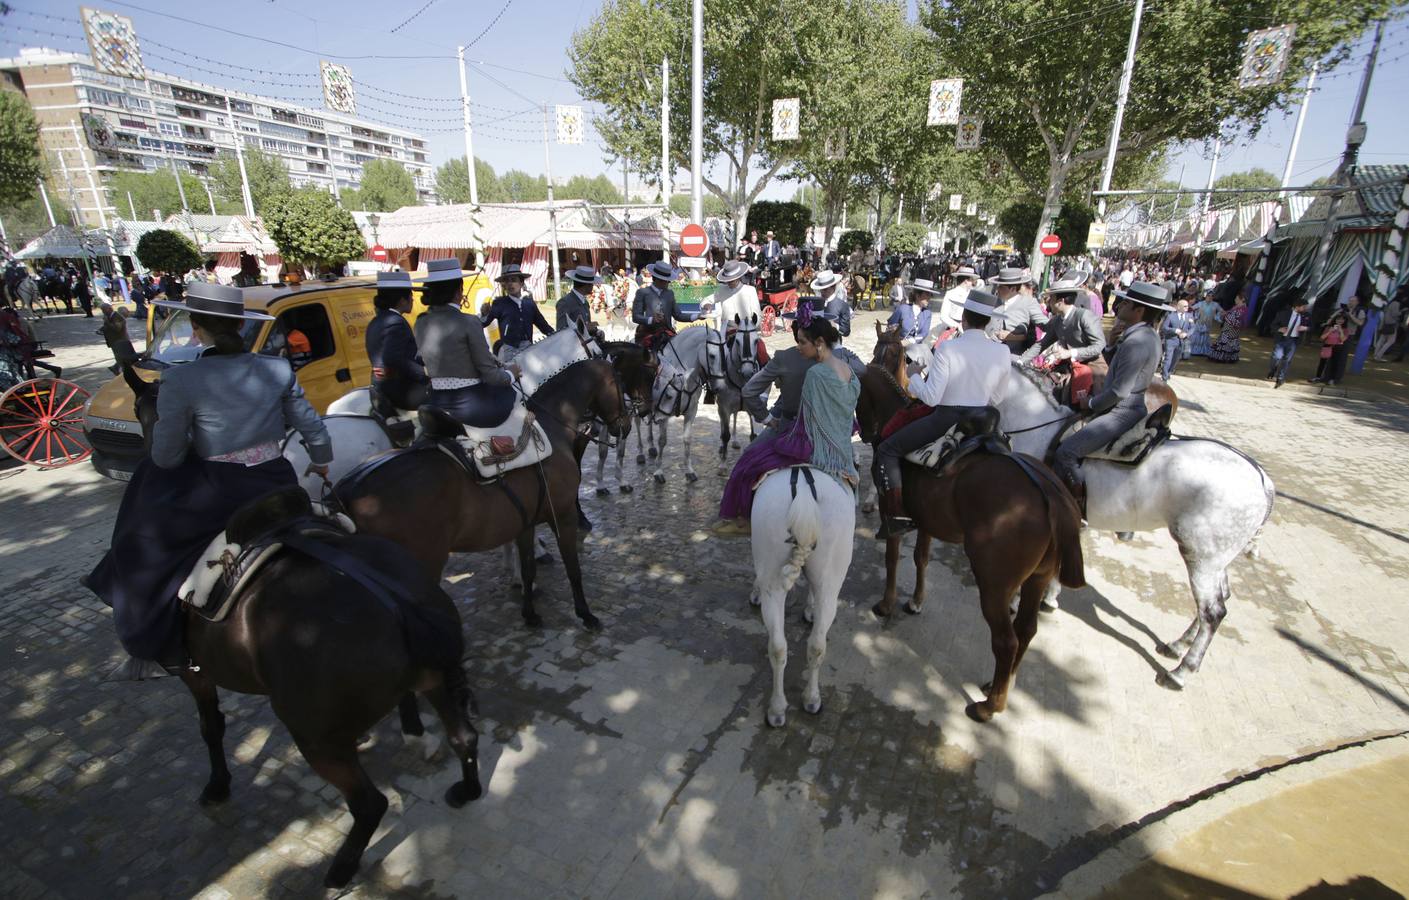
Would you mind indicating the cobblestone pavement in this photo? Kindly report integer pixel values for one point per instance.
(636, 762)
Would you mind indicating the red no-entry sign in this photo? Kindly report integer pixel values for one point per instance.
(1051, 245)
(693, 240)
(378, 253)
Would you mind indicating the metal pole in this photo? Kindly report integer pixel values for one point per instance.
(477, 244)
(97, 197)
(245, 194)
(1296, 133)
(666, 166)
(131, 207)
(626, 199)
(1208, 199)
(75, 212)
(552, 210)
(209, 196)
(1124, 92)
(1354, 137)
(697, 114)
(48, 209)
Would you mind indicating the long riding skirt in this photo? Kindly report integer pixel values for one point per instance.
(167, 518)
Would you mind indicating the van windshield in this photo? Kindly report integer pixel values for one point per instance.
(175, 343)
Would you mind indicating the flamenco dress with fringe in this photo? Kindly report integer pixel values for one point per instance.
(215, 447)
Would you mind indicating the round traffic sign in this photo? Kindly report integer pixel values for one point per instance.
(379, 253)
(1051, 245)
(693, 240)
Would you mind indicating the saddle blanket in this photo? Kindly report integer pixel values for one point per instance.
(1135, 444)
(517, 443)
(225, 567)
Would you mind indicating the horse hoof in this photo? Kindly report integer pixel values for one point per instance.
(1170, 680)
(734, 444)
(640, 459)
(626, 489)
(463, 792)
(777, 720)
(1166, 651)
(987, 688)
(1048, 607)
(722, 471)
(604, 492)
(591, 622)
(340, 873)
(814, 709)
(691, 477)
(880, 612)
(911, 609)
(658, 478)
(754, 600)
(979, 712)
(651, 453)
(215, 793)
(533, 620)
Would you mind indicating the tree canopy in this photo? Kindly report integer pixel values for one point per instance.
(905, 237)
(163, 250)
(787, 220)
(386, 186)
(268, 176)
(21, 166)
(452, 182)
(1262, 184)
(856, 238)
(310, 228)
(157, 191)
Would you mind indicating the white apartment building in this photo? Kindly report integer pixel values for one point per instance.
(162, 119)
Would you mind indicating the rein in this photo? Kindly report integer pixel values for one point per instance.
(890, 380)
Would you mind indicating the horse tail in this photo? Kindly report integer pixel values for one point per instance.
(804, 530)
(1254, 550)
(1064, 518)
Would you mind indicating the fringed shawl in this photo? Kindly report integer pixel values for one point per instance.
(828, 408)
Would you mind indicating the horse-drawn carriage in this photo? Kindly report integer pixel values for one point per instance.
(776, 284)
(41, 419)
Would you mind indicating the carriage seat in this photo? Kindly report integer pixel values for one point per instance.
(1135, 444)
(975, 430)
(488, 452)
(249, 540)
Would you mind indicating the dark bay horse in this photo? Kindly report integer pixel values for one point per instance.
(1019, 527)
(425, 501)
(330, 676)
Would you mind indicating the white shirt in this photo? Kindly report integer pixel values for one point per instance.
(1127, 277)
(951, 311)
(969, 370)
(735, 299)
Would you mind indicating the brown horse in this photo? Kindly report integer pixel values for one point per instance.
(1020, 528)
(426, 501)
(329, 678)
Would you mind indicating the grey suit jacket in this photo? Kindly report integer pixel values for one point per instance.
(839, 307)
(453, 345)
(650, 302)
(1137, 354)
(572, 308)
(221, 403)
(1021, 313)
(1078, 330)
(787, 368)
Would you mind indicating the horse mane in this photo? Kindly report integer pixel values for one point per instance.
(1039, 381)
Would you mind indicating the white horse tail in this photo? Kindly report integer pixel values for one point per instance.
(1254, 550)
(804, 530)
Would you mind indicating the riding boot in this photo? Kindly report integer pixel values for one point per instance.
(1071, 476)
(894, 522)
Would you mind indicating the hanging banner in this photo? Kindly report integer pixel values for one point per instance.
(337, 88)
(112, 41)
(785, 119)
(834, 144)
(569, 119)
(956, 202)
(1265, 56)
(966, 136)
(972, 210)
(100, 136)
(945, 94)
(1096, 235)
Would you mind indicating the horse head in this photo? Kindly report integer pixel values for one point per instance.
(636, 369)
(608, 398)
(743, 346)
(889, 355)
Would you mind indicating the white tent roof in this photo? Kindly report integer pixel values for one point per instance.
(581, 226)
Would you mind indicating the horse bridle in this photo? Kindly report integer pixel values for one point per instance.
(741, 332)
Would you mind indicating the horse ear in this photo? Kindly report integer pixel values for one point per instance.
(134, 383)
(753, 318)
(737, 320)
(878, 328)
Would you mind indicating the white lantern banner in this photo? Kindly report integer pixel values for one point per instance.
(966, 136)
(569, 119)
(972, 210)
(113, 42)
(956, 202)
(785, 119)
(945, 94)
(1265, 56)
(338, 94)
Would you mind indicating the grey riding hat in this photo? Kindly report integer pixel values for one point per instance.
(443, 270)
(985, 304)
(825, 279)
(661, 270)
(925, 285)
(394, 281)
(512, 270)
(583, 275)
(1067, 285)
(1146, 294)
(215, 300)
(733, 270)
(965, 272)
(1011, 276)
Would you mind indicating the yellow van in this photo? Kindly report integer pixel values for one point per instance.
(319, 326)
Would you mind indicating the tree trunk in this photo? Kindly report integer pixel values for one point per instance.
(1057, 171)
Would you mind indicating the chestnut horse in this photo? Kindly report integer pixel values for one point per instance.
(1019, 526)
(424, 500)
(329, 678)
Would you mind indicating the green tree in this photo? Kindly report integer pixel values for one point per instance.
(518, 186)
(1020, 220)
(710, 206)
(268, 176)
(905, 237)
(386, 186)
(1043, 74)
(311, 229)
(598, 190)
(1261, 184)
(787, 220)
(452, 182)
(157, 191)
(167, 251)
(21, 166)
(851, 240)
(615, 61)
(27, 219)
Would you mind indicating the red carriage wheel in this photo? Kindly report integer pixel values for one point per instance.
(41, 422)
(769, 314)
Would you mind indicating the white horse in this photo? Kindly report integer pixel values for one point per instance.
(686, 368)
(792, 535)
(1213, 499)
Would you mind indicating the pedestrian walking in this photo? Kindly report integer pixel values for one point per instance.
(1333, 338)
(1174, 333)
(1229, 346)
(1290, 324)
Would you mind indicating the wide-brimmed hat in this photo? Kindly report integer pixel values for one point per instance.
(443, 270)
(984, 303)
(394, 281)
(924, 284)
(215, 300)
(662, 270)
(825, 279)
(1146, 294)
(732, 270)
(583, 275)
(1067, 284)
(965, 272)
(512, 270)
(1011, 276)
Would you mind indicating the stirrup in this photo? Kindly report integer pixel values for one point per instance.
(894, 526)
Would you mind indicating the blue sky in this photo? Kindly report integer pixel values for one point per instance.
(519, 58)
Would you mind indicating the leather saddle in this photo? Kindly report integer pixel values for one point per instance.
(975, 430)
(490, 451)
(399, 424)
(1135, 444)
(251, 537)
